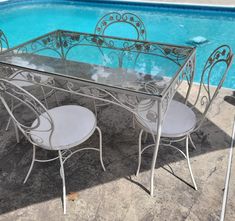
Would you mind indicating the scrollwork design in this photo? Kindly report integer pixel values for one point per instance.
(220, 56)
(12, 93)
(127, 101)
(129, 18)
(61, 42)
(50, 42)
(64, 41)
(206, 94)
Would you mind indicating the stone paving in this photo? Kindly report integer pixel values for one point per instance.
(118, 194)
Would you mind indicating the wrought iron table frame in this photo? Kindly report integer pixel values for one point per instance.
(62, 42)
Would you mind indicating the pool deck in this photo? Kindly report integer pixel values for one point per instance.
(118, 194)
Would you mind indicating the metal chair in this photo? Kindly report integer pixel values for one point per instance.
(180, 120)
(113, 18)
(24, 79)
(106, 22)
(58, 129)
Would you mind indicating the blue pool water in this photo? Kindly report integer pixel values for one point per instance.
(26, 20)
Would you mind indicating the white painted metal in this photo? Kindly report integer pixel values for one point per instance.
(180, 121)
(107, 21)
(21, 78)
(228, 174)
(189, 165)
(127, 98)
(58, 129)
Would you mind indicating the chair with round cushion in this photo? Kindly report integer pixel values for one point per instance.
(59, 129)
(180, 120)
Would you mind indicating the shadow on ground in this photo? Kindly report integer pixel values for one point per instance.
(83, 170)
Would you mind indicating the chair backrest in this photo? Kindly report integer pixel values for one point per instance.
(21, 104)
(113, 18)
(3, 41)
(219, 62)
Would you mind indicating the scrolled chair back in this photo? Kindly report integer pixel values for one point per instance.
(110, 25)
(216, 67)
(3, 41)
(112, 18)
(26, 106)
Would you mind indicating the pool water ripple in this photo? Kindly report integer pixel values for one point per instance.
(26, 20)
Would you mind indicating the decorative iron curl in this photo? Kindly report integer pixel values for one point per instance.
(50, 42)
(69, 40)
(18, 94)
(207, 93)
(204, 101)
(128, 18)
(126, 101)
(222, 54)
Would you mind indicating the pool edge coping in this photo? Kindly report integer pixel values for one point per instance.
(174, 3)
(153, 3)
(167, 4)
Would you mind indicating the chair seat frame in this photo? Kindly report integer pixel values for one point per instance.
(221, 55)
(9, 91)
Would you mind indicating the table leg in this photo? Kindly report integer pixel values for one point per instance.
(191, 77)
(155, 153)
(156, 147)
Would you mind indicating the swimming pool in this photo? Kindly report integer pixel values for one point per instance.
(24, 20)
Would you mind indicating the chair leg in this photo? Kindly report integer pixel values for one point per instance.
(31, 166)
(8, 124)
(154, 159)
(63, 180)
(191, 140)
(189, 165)
(139, 152)
(17, 133)
(101, 149)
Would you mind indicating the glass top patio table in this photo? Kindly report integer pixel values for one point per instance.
(129, 65)
(126, 71)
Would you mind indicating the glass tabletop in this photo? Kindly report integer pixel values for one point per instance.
(126, 64)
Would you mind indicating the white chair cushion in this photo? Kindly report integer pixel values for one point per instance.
(73, 125)
(179, 119)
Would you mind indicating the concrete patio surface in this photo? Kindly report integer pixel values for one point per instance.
(118, 194)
